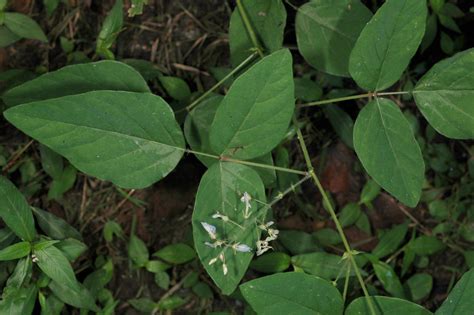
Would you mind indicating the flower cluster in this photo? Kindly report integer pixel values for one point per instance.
(263, 245)
(218, 243)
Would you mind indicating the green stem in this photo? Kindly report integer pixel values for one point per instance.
(248, 26)
(353, 97)
(218, 84)
(226, 159)
(332, 212)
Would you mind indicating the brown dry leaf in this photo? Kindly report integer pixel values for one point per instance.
(21, 6)
(387, 212)
(338, 176)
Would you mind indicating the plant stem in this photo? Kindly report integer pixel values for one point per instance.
(218, 84)
(248, 26)
(353, 97)
(326, 200)
(226, 159)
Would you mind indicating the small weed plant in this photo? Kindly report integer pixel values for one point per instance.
(105, 121)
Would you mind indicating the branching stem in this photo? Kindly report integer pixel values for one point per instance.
(353, 97)
(332, 212)
(218, 84)
(248, 163)
(250, 30)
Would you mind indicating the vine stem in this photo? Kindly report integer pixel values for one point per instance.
(218, 84)
(332, 212)
(227, 159)
(353, 97)
(248, 26)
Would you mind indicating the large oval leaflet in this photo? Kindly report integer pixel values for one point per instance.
(293, 293)
(445, 96)
(196, 129)
(254, 115)
(269, 19)
(326, 31)
(131, 139)
(15, 211)
(387, 44)
(386, 306)
(77, 79)
(384, 142)
(220, 192)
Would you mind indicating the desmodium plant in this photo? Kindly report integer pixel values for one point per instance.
(102, 117)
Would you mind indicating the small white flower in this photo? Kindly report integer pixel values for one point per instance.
(213, 260)
(262, 247)
(272, 234)
(224, 269)
(216, 244)
(221, 257)
(246, 198)
(210, 229)
(265, 226)
(34, 258)
(243, 248)
(217, 215)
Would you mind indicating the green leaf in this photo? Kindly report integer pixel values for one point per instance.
(327, 237)
(20, 302)
(427, 245)
(326, 31)
(197, 127)
(15, 251)
(71, 248)
(137, 7)
(220, 190)
(162, 279)
(51, 162)
(24, 26)
(110, 29)
(176, 88)
(385, 306)
(95, 131)
(15, 211)
(7, 37)
(287, 293)
(298, 242)
(307, 90)
(387, 43)
(349, 214)
(171, 303)
(144, 305)
(54, 226)
(384, 142)
(420, 286)
(147, 69)
(369, 192)
(176, 253)
(50, 6)
(78, 79)
(444, 96)
(389, 279)
(341, 122)
(77, 295)
(271, 263)
(324, 265)
(203, 290)
(63, 183)
(268, 19)
(112, 228)
(137, 251)
(20, 276)
(262, 97)
(390, 241)
(56, 266)
(459, 301)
